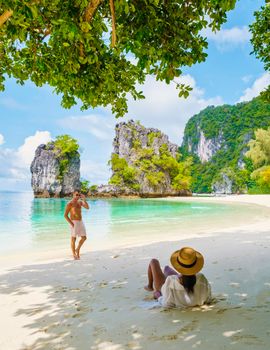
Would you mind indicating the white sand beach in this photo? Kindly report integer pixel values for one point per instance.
(50, 302)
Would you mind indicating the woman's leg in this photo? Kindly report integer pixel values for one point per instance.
(149, 287)
(168, 271)
(156, 277)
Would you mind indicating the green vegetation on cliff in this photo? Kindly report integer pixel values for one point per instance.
(156, 169)
(124, 175)
(65, 148)
(231, 128)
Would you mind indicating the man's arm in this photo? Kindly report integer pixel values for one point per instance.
(68, 207)
(83, 202)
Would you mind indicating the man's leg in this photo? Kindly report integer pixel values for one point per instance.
(82, 240)
(72, 244)
(156, 277)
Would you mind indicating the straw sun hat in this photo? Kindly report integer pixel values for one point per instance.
(187, 261)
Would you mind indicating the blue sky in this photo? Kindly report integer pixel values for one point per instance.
(31, 115)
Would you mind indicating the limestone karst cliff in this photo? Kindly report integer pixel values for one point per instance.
(217, 138)
(205, 148)
(53, 175)
(144, 161)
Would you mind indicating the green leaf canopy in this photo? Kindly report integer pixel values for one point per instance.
(260, 40)
(67, 44)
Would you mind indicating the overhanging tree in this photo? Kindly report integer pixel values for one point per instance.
(97, 51)
(260, 40)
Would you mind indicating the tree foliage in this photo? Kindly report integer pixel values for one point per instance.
(259, 153)
(86, 187)
(260, 30)
(96, 51)
(259, 148)
(262, 178)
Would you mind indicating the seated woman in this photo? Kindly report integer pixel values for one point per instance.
(189, 288)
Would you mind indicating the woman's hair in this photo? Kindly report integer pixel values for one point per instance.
(189, 282)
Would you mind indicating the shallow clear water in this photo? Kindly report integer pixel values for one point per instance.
(28, 223)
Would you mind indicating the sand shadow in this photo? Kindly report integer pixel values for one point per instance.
(95, 303)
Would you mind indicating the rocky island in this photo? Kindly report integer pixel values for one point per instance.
(145, 163)
(56, 168)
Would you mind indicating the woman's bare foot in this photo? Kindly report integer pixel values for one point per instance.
(75, 257)
(77, 254)
(149, 289)
(157, 294)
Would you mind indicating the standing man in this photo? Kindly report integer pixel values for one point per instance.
(73, 215)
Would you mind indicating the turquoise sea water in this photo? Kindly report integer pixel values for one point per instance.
(27, 223)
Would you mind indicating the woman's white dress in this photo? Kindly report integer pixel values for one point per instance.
(175, 295)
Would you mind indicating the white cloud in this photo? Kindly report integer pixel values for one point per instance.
(259, 85)
(96, 125)
(15, 162)
(2, 140)
(227, 39)
(26, 151)
(163, 109)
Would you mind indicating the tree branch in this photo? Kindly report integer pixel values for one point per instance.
(91, 9)
(87, 17)
(5, 16)
(81, 50)
(113, 23)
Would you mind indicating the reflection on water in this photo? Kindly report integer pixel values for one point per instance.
(28, 222)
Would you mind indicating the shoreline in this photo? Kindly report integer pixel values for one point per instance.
(257, 199)
(58, 303)
(62, 252)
